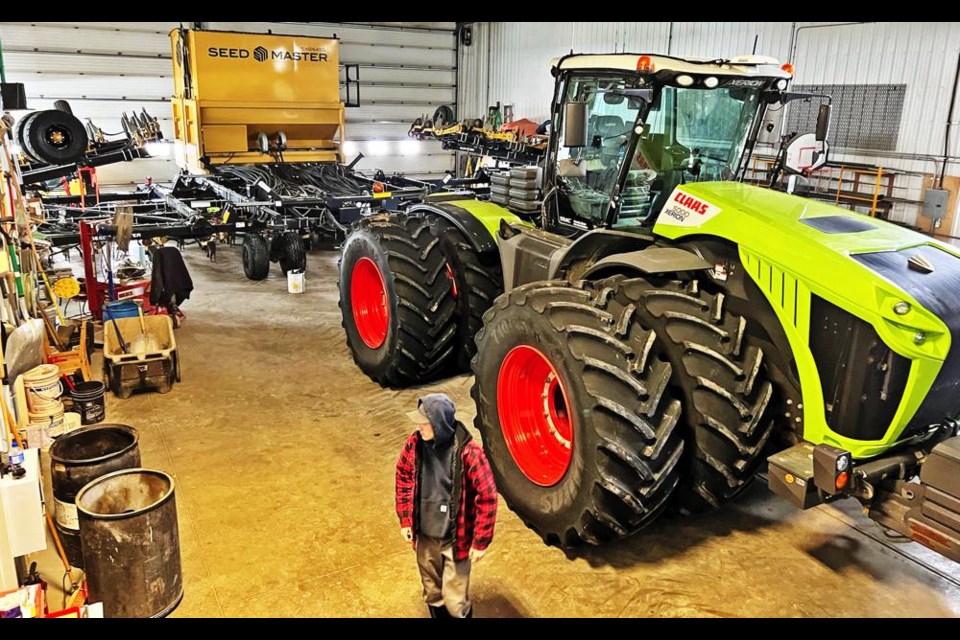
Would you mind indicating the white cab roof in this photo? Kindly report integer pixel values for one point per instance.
(750, 66)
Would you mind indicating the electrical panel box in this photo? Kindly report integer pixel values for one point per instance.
(935, 203)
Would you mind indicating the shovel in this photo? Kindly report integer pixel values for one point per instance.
(123, 344)
(143, 342)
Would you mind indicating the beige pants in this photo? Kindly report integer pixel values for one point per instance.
(445, 581)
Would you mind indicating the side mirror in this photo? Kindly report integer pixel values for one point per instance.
(823, 122)
(575, 124)
(611, 97)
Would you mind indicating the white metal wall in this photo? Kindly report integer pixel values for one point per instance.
(105, 68)
(922, 55)
(510, 62)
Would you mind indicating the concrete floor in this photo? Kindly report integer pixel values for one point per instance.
(284, 456)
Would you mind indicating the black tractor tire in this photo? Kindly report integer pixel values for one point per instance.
(293, 254)
(625, 447)
(477, 279)
(256, 257)
(18, 134)
(729, 402)
(443, 116)
(419, 331)
(63, 105)
(55, 137)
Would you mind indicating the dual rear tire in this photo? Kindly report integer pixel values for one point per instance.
(434, 287)
(396, 300)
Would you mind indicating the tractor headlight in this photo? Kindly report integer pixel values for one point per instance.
(710, 82)
(684, 81)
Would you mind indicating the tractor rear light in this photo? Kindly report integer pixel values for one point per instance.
(842, 479)
(645, 64)
(781, 84)
(788, 67)
(831, 468)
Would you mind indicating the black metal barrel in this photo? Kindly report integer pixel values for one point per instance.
(76, 459)
(131, 543)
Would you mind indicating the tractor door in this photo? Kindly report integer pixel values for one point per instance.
(586, 177)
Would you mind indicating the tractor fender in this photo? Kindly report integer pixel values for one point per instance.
(651, 261)
(571, 261)
(480, 238)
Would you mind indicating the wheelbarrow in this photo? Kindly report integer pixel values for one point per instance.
(140, 353)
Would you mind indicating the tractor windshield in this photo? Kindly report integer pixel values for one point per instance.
(689, 135)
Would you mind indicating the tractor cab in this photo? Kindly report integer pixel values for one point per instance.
(633, 127)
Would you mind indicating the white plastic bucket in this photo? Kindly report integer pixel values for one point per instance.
(295, 281)
(41, 428)
(44, 388)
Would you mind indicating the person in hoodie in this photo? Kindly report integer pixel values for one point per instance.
(447, 504)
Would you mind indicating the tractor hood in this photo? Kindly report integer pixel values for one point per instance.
(818, 242)
(788, 224)
(808, 256)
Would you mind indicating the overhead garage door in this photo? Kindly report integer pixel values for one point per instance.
(102, 69)
(106, 68)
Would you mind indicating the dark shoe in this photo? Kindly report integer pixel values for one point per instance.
(438, 612)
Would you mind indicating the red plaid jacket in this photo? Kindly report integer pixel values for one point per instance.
(478, 496)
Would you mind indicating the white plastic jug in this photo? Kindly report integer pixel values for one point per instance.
(295, 281)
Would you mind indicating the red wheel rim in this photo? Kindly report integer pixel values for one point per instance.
(535, 415)
(368, 299)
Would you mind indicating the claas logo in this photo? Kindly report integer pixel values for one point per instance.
(691, 203)
(260, 54)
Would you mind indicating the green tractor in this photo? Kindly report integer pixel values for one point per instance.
(661, 329)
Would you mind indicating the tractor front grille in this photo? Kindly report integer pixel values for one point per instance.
(862, 378)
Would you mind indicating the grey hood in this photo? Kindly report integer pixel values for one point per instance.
(439, 410)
